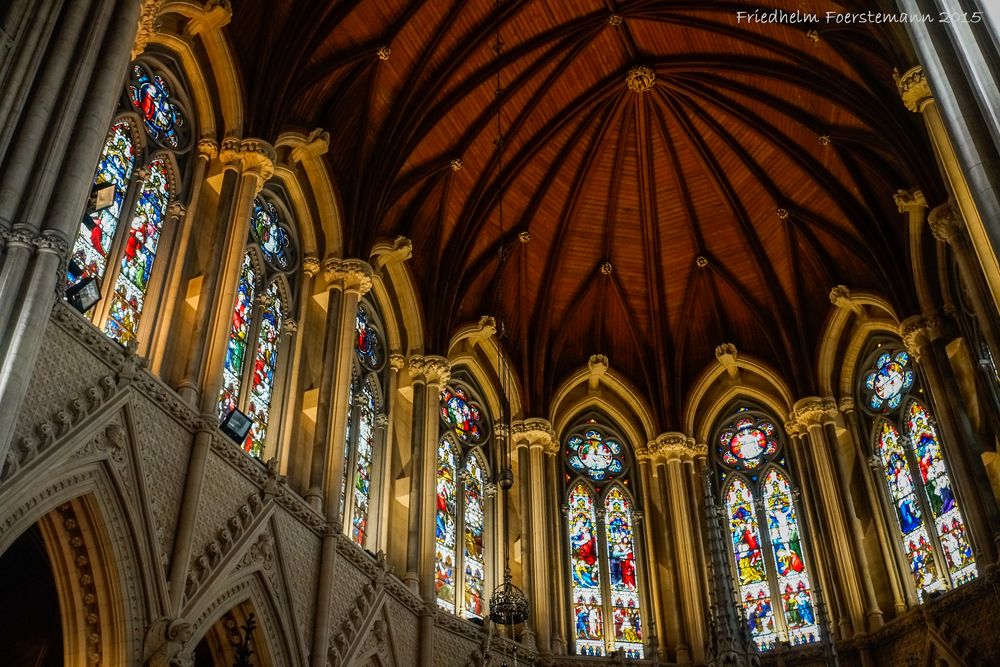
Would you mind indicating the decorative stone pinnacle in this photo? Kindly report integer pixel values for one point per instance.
(456, 164)
(913, 88)
(606, 268)
(640, 79)
(824, 140)
(383, 52)
(615, 20)
(701, 261)
(524, 237)
(782, 214)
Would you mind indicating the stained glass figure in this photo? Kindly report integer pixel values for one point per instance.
(97, 231)
(622, 572)
(948, 521)
(367, 345)
(138, 254)
(265, 364)
(909, 518)
(751, 573)
(272, 238)
(445, 520)
(239, 333)
(461, 415)
(588, 608)
(474, 559)
(150, 96)
(348, 440)
(793, 578)
(363, 464)
(591, 453)
(748, 443)
(889, 381)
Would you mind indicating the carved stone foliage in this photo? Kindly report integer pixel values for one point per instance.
(87, 592)
(214, 553)
(58, 425)
(164, 644)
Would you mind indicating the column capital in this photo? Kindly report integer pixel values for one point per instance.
(672, 446)
(207, 148)
(349, 275)
(397, 361)
(911, 200)
(846, 404)
(258, 158)
(917, 331)
(177, 211)
(913, 88)
(536, 432)
(147, 26)
(841, 297)
(311, 266)
(945, 222)
(415, 364)
(289, 326)
(437, 370)
(811, 412)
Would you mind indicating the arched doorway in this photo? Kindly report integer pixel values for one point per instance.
(30, 622)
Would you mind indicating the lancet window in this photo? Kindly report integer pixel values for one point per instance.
(366, 419)
(260, 320)
(909, 458)
(117, 244)
(605, 596)
(463, 510)
(769, 565)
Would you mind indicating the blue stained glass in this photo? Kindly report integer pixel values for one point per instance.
(888, 382)
(264, 367)
(623, 578)
(445, 519)
(586, 592)
(239, 333)
(367, 345)
(600, 458)
(271, 236)
(150, 96)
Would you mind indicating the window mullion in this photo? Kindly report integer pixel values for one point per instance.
(605, 568)
(460, 533)
(771, 568)
(250, 354)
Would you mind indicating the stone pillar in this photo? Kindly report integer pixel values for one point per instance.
(651, 554)
(924, 341)
(674, 449)
(676, 630)
(966, 155)
(47, 170)
(812, 413)
(416, 367)
(437, 372)
(182, 246)
(396, 363)
(890, 556)
(537, 437)
(558, 594)
(914, 205)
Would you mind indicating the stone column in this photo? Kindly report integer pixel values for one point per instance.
(674, 449)
(651, 556)
(890, 556)
(47, 172)
(812, 413)
(537, 437)
(965, 154)
(914, 205)
(182, 246)
(676, 630)
(437, 372)
(924, 341)
(396, 363)
(416, 367)
(558, 595)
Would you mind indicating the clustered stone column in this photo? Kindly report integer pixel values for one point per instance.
(673, 456)
(45, 178)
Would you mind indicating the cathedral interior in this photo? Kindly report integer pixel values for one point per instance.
(458, 333)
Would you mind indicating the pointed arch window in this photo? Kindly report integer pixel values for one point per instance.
(260, 320)
(931, 530)
(366, 419)
(462, 512)
(139, 161)
(770, 569)
(604, 576)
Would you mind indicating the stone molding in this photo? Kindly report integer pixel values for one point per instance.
(397, 361)
(228, 540)
(349, 275)
(308, 146)
(311, 266)
(396, 251)
(917, 331)
(534, 432)
(909, 200)
(945, 222)
(672, 446)
(841, 297)
(811, 412)
(437, 370)
(254, 156)
(147, 26)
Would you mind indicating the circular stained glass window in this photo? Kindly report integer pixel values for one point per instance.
(150, 96)
(367, 344)
(461, 415)
(748, 443)
(598, 457)
(888, 382)
(274, 240)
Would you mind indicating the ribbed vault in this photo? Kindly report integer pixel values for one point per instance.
(719, 206)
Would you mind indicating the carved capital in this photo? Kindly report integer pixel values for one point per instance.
(289, 326)
(841, 297)
(396, 251)
(726, 354)
(913, 88)
(177, 211)
(415, 364)
(257, 157)
(147, 26)
(673, 446)
(909, 200)
(208, 149)
(437, 370)
(812, 412)
(397, 361)
(310, 266)
(917, 332)
(229, 152)
(846, 404)
(535, 432)
(945, 222)
(350, 275)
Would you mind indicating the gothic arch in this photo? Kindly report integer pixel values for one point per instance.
(607, 392)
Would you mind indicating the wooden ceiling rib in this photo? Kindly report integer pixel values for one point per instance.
(649, 182)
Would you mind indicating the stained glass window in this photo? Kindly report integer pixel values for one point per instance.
(748, 443)
(621, 566)
(591, 453)
(273, 239)
(751, 573)
(463, 416)
(588, 607)
(97, 231)
(265, 363)
(475, 524)
(239, 334)
(932, 531)
(150, 96)
(445, 520)
(138, 254)
(794, 587)
(363, 464)
(367, 344)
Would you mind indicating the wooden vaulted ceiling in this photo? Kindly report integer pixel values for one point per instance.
(654, 223)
